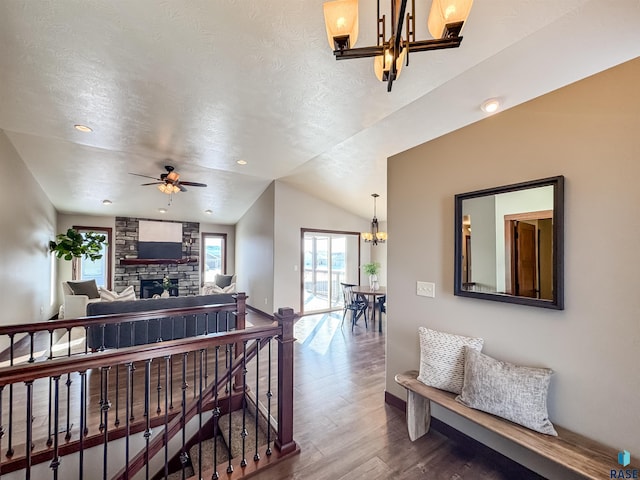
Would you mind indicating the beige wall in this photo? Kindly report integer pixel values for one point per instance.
(255, 252)
(295, 210)
(28, 222)
(587, 132)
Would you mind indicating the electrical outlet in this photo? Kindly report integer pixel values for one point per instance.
(426, 289)
(266, 301)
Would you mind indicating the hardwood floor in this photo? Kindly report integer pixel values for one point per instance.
(344, 427)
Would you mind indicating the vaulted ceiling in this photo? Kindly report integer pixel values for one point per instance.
(205, 83)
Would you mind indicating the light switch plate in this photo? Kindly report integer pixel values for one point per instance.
(426, 289)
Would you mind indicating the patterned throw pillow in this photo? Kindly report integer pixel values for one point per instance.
(516, 393)
(128, 293)
(442, 358)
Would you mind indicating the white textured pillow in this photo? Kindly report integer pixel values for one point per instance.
(128, 293)
(510, 391)
(212, 288)
(442, 358)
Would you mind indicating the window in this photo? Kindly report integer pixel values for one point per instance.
(214, 256)
(98, 270)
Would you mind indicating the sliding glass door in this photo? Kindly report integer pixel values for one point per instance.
(329, 258)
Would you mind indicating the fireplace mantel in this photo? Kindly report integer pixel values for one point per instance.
(157, 261)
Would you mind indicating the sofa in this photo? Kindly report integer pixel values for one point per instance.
(163, 328)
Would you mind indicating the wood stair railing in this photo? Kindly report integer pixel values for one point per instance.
(242, 347)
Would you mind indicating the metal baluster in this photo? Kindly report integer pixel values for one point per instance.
(128, 419)
(68, 384)
(133, 370)
(105, 409)
(184, 456)
(200, 413)
(83, 425)
(243, 463)
(49, 437)
(269, 395)
(230, 386)
(102, 333)
(117, 421)
(256, 455)
(83, 413)
(159, 389)
(206, 361)
(86, 338)
(171, 382)
(147, 430)
(55, 463)
(167, 366)
(195, 373)
(29, 420)
(102, 425)
(216, 418)
(50, 344)
(31, 359)
(11, 353)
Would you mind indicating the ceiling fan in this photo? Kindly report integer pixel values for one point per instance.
(170, 182)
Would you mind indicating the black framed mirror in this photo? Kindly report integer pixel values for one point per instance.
(509, 243)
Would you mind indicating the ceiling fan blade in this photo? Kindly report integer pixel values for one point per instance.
(145, 176)
(150, 183)
(194, 184)
(179, 185)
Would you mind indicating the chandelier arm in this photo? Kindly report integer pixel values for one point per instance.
(362, 52)
(434, 44)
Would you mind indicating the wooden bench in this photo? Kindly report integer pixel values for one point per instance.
(574, 452)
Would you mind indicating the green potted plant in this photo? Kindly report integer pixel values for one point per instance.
(74, 244)
(372, 270)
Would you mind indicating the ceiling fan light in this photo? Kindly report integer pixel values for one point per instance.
(445, 12)
(341, 22)
(173, 176)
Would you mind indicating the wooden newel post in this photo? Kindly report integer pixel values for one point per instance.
(284, 443)
(241, 314)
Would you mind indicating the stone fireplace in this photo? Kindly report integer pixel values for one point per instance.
(131, 270)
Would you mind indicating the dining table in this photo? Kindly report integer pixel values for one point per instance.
(370, 292)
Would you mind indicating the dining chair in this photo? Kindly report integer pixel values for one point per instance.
(355, 304)
(382, 306)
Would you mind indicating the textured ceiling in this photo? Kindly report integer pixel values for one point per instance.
(206, 83)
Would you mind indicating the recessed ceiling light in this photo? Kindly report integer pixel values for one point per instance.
(83, 128)
(241, 162)
(490, 106)
(208, 212)
(106, 201)
(162, 210)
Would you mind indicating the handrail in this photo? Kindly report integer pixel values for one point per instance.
(89, 371)
(62, 365)
(49, 325)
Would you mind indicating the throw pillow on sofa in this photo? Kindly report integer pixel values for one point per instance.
(442, 358)
(222, 284)
(128, 293)
(87, 287)
(510, 391)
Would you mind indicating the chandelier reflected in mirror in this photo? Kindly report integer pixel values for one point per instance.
(375, 236)
(445, 22)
